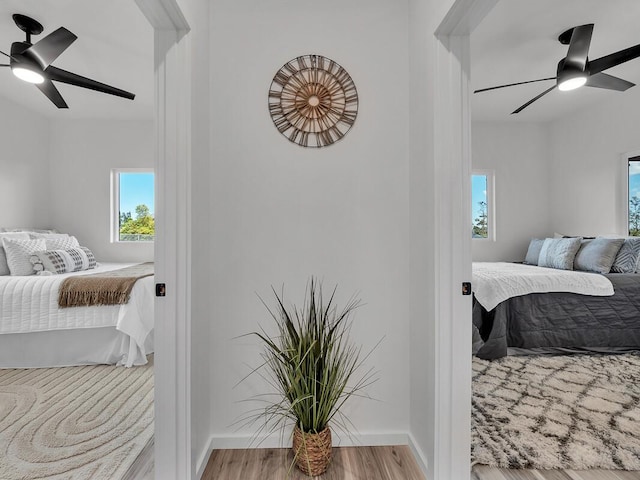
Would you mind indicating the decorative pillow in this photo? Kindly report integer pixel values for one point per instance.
(30, 230)
(47, 236)
(4, 268)
(559, 253)
(534, 251)
(61, 243)
(597, 255)
(18, 253)
(63, 261)
(628, 256)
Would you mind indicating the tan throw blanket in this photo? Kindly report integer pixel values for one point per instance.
(105, 288)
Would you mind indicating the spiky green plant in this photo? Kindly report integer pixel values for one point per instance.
(311, 363)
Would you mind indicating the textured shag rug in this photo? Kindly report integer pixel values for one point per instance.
(557, 412)
(74, 423)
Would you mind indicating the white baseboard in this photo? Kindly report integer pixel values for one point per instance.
(224, 442)
(202, 461)
(418, 454)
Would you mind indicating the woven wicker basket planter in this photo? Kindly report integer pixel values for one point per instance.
(312, 451)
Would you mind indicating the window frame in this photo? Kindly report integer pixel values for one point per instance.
(626, 159)
(491, 204)
(115, 203)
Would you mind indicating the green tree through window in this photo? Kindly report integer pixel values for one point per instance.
(142, 225)
(480, 223)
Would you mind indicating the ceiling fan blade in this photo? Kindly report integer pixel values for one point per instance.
(7, 55)
(579, 47)
(5, 65)
(613, 59)
(63, 76)
(52, 93)
(50, 47)
(602, 80)
(518, 110)
(513, 84)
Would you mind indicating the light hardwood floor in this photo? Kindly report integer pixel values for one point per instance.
(142, 468)
(348, 463)
(482, 472)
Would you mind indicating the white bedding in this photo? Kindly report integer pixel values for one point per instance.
(30, 304)
(495, 282)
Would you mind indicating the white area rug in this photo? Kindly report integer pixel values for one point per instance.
(74, 423)
(563, 412)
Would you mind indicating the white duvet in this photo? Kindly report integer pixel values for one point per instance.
(30, 304)
(495, 282)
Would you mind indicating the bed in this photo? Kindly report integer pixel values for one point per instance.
(35, 332)
(558, 321)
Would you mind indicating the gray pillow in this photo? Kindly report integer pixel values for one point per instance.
(627, 259)
(534, 251)
(597, 255)
(559, 252)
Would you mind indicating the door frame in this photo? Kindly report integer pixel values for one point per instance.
(172, 374)
(452, 156)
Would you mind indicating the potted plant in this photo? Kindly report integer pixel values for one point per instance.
(312, 364)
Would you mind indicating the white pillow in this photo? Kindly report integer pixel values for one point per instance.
(61, 243)
(30, 230)
(63, 261)
(19, 252)
(56, 241)
(46, 236)
(4, 268)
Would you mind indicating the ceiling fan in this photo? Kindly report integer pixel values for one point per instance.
(32, 62)
(576, 70)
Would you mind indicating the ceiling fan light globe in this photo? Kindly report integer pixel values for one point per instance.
(572, 83)
(27, 75)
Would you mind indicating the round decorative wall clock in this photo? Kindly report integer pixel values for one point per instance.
(313, 101)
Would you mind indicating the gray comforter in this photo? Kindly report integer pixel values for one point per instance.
(561, 322)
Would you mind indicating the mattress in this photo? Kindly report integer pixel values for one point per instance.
(561, 322)
(30, 304)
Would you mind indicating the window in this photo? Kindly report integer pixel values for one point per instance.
(132, 193)
(633, 198)
(482, 226)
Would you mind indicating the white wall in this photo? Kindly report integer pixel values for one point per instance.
(82, 154)
(586, 165)
(24, 168)
(280, 213)
(520, 157)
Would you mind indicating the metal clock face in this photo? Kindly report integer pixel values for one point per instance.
(313, 101)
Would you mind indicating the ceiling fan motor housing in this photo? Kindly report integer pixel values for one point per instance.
(567, 72)
(18, 48)
(18, 58)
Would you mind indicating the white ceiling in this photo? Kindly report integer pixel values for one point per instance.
(114, 46)
(517, 41)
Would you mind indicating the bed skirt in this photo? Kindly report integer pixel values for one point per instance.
(62, 348)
